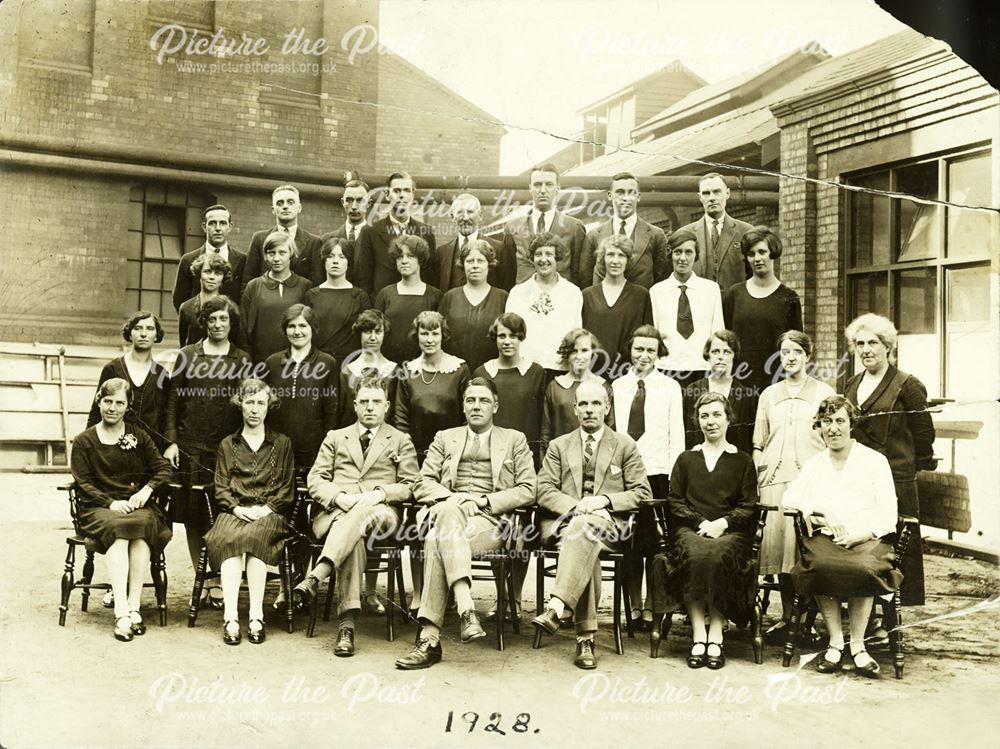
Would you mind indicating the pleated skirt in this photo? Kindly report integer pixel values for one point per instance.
(231, 537)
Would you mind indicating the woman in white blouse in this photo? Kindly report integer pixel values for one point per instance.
(851, 486)
(549, 304)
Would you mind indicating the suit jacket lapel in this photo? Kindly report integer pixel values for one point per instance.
(354, 449)
(576, 460)
(603, 459)
(378, 446)
(725, 241)
(498, 448)
(457, 448)
(641, 237)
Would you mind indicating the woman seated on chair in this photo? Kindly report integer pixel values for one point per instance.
(254, 488)
(117, 469)
(848, 499)
(713, 490)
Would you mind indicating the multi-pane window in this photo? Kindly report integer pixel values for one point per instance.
(163, 221)
(927, 268)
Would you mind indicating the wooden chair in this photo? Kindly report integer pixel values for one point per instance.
(284, 575)
(157, 565)
(487, 566)
(613, 570)
(758, 590)
(891, 609)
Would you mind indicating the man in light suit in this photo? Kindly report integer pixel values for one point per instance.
(719, 256)
(374, 269)
(590, 479)
(216, 222)
(361, 474)
(306, 260)
(650, 262)
(543, 217)
(466, 212)
(471, 478)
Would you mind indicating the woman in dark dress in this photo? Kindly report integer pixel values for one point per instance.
(211, 271)
(428, 397)
(845, 559)
(760, 309)
(471, 308)
(402, 301)
(266, 298)
(305, 380)
(336, 302)
(254, 489)
(713, 490)
(615, 307)
(147, 380)
(895, 422)
(117, 468)
(199, 415)
(722, 350)
(578, 351)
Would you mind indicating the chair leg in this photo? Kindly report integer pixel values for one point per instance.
(87, 579)
(401, 585)
(286, 587)
(793, 631)
(500, 577)
(539, 583)
(617, 625)
(390, 582)
(757, 636)
(331, 586)
(67, 583)
(656, 633)
(893, 616)
(515, 620)
(627, 598)
(158, 571)
(199, 584)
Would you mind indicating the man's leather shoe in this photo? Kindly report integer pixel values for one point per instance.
(547, 620)
(471, 628)
(585, 657)
(345, 643)
(304, 593)
(424, 655)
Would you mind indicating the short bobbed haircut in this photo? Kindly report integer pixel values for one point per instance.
(877, 324)
(295, 311)
(417, 246)
(731, 339)
(708, 398)
(761, 234)
(548, 239)
(346, 246)
(277, 239)
(430, 320)
(369, 320)
(833, 403)
(135, 318)
(220, 303)
(513, 322)
(252, 386)
(481, 246)
(797, 337)
(113, 386)
(620, 242)
(568, 343)
(648, 331)
(681, 236)
(213, 261)
(483, 382)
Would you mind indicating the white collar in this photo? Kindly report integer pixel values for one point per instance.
(493, 366)
(363, 429)
(358, 366)
(630, 223)
(720, 222)
(290, 230)
(484, 437)
(549, 216)
(447, 365)
(729, 448)
(672, 280)
(598, 435)
(357, 228)
(460, 238)
(566, 380)
(223, 251)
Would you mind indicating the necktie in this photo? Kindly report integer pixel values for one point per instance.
(588, 451)
(715, 235)
(473, 451)
(685, 324)
(588, 466)
(351, 234)
(623, 232)
(637, 413)
(540, 226)
(366, 441)
(465, 243)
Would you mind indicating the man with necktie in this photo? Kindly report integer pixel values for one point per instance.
(650, 262)
(718, 235)
(466, 212)
(472, 477)
(362, 474)
(216, 222)
(590, 479)
(306, 261)
(687, 309)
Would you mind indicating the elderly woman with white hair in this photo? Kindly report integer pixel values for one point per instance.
(894, 421)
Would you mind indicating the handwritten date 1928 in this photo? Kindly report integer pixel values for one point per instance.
(520, 725)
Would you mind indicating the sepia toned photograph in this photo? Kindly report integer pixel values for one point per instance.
(453, 373)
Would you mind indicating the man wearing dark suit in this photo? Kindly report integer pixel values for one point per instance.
(590, 479)
(373, 268)
(543, 217)
(306, 260)
(361, 475)
(355, 202)
(466, 212)
(471, 478)
(216, 222)
(719, 256)
(650, 262)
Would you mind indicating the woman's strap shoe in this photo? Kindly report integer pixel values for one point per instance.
(826, 666)
(256, 635)
(231, 635)
(138, 625)
(715, 662)
(123, 629)
(696, 660)
(868, 666)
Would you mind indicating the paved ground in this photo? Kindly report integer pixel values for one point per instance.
(77, 686)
